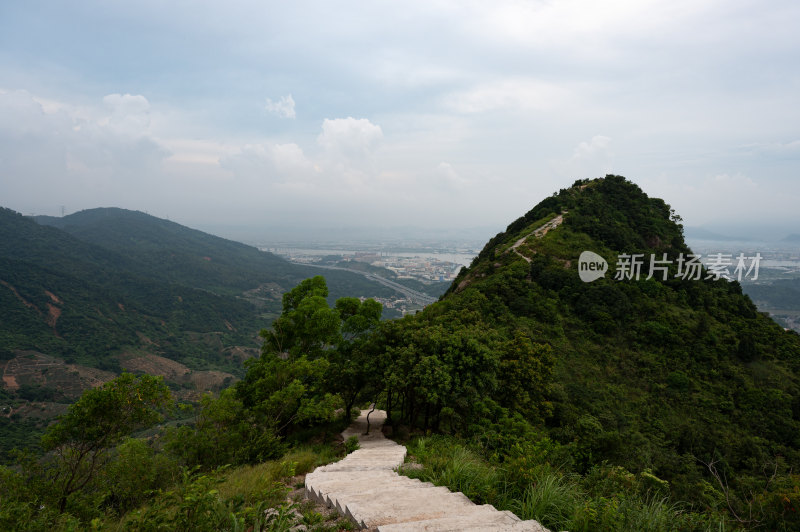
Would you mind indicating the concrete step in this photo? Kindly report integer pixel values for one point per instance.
(372, 500)
(329, 491)
(464, 524)
(369, 459)
(373, 511)
(365, 487)
(484, 516)
(522, 526)
(319, 475)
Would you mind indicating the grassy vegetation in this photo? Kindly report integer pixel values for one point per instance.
(251, 497)
(145, 489)
(607, 498)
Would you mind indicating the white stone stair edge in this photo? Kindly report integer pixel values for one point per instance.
(366, 488)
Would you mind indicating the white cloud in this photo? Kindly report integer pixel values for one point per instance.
(509, 94)
(728, 181)
(126, 104)
(597, 148)
(270, 163)
(589, 159)
(283, 108)
(349, 137)
(449, 178)
(780, 149)
(345, 162)
(130, 114)
(53, 153)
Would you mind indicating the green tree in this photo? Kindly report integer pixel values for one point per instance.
(286, 387)
(307, 326)
(224, 432)
(135, 471)
(525, 371)
(354, 362)
(99, 420)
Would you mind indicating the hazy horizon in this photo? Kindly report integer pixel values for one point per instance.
(474, 236)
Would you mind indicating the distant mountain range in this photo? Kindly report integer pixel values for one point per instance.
(89, 285)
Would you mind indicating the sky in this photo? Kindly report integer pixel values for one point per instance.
(384, 114)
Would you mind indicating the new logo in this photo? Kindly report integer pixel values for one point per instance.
(591, 266)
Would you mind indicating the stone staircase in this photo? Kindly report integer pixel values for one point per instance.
(365, 487)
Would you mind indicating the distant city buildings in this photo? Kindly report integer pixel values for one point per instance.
(390, 266)
(425, 269)
(422, 269)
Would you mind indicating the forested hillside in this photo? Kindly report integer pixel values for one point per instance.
(111, 277)
(677, 378)
(81, 302)
(168, 251)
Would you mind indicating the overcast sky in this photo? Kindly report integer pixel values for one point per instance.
(383, 113)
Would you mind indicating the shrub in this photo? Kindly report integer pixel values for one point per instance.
(351, 444)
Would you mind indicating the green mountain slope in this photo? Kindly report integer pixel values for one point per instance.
(170, 252)
(654, 375)
(175, 253)
(83, 303)
(86, 286)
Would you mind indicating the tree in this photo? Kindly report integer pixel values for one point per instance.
(525, 370)
(99, 420)
(307, 326)
(224, 432)
(289, 384)
(354, 361)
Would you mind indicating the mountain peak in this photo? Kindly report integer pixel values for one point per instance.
(662, 367)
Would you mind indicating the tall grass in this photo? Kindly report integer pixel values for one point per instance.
(653, 514)
(252, 482)
(457, 467)
(552, 499)
(558, 500)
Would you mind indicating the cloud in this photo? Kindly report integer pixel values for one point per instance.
(56, 153)
(283, 108)
(126, 104)
(270, 163)
(597, 148)
(508, 94)
(729, 181)
(130, 114)
(447, 177)
(589, 159)
(349, 137)
(786, 150)
(345, 161)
